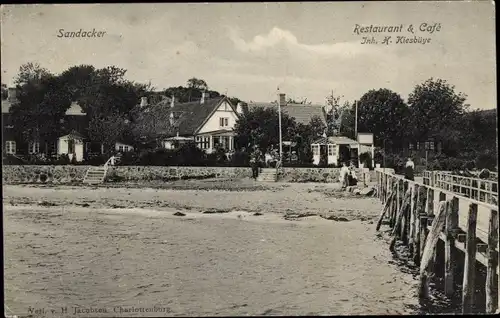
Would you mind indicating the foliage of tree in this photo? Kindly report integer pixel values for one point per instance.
(5, 91)
(260, 127)
(42, 102)
(436, 111)
(385, 114)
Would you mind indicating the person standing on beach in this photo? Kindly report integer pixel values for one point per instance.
(255, 159)
(344, 172)
(409, 170)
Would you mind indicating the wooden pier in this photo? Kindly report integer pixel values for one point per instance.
(420, 215)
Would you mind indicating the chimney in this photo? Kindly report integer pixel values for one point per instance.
(282, 99)
(172, 101)
(11, 93)
(204, 97)
(239, 108)
(171, 119)
(144, 101)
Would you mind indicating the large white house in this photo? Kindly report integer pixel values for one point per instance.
(208, 122)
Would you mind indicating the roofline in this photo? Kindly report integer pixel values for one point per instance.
(195, 132)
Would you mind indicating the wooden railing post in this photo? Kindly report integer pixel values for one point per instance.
(470, 261)
(413, 218)
(427, 262)
(449, 249)
(492, 294)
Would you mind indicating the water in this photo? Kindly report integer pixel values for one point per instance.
(120, 261)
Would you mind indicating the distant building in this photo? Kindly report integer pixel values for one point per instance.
(73, 124)
(302, 113)
(208, 122)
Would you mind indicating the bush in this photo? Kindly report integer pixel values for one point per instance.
(240, 158)
(73, 159)
(96, 159)
(63, 159)
(487, 160)
(366, 159)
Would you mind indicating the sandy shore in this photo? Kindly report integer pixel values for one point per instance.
(121, 250)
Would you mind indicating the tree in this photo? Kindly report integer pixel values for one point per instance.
(304, 136)
(31, 73)
(260, 127)
(192, 92)
(335, 113)
(385, 114)
(436, 112)
(42, 102)
(5, 91)
(195, 83)
(300, 101)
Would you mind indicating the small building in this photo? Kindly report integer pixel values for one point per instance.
(336, 148)
(71, 145)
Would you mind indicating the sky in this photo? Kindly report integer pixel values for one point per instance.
(248, 50)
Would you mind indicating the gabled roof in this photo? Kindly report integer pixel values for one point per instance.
(74, 134)
(75, 109)
(335, 140)
(189, 117)
(303, 113)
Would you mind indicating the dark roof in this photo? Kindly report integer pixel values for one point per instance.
(303, 113)
(189, 117)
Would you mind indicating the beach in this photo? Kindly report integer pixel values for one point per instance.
(293, 249)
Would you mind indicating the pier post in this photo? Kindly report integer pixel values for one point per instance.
(427, 262)
(470, 261)
(492, 296)
(416, 227)
(449, 247)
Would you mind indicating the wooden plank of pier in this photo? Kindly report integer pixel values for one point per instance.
(470, 262)
(450, 257)
(427, 261)
(454, 214)
(492, 297)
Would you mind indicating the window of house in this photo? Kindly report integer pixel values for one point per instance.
(332, 150)
(120, 148)
(205, 144)
(10, 147)
(224, 121)
(125, 148)
(410, 146)
(216, 141)
(33, 147)
(315, 149)
(418, 145)
(225, 142)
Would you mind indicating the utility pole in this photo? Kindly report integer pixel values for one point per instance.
(279, 125)
(356, 121)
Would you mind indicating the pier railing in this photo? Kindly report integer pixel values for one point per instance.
(474, 188)
(419, 215)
